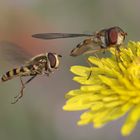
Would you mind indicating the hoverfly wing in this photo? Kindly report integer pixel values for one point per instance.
(84, 47)
(58, 35)
(92, 51)
(13, 52)
(79, 50)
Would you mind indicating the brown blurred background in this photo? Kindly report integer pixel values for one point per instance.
(39, 114)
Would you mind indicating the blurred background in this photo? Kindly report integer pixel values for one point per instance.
(39, 115)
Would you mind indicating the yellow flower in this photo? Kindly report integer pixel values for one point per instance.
(109, 89)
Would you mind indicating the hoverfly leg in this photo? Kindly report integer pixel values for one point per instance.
(90, 72)
(47, 73)
(89, 75)
(104, 50)
(20, 95)
(117, 53)
(30, 79)
(92, 52)
(21, 92)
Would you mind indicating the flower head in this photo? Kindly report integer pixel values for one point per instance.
(109, 89)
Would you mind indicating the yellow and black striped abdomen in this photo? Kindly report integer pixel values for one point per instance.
(22, 71)
(10, 74)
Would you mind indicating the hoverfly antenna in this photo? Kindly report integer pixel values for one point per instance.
(59, 55)
(125, 33)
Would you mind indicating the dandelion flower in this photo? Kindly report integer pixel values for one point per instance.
(109, 89)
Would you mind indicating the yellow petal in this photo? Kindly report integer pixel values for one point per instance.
(80, 70)
(73, 93)
(131, 121)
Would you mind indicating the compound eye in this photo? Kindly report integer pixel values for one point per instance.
(112, 35)
(52, 59)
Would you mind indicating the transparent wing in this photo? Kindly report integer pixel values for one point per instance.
(13, 53)
(85, 46)
(58, 35)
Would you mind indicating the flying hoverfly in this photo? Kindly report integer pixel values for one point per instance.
(105, 38)
(38, 65)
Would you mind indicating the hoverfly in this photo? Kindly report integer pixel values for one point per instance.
(38, 65)
(105, 38)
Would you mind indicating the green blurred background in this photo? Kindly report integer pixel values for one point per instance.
(39, 115)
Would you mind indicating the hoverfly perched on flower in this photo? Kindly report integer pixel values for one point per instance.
(38, 65)
(105, 38)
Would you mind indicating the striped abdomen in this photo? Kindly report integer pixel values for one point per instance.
(23, 71)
